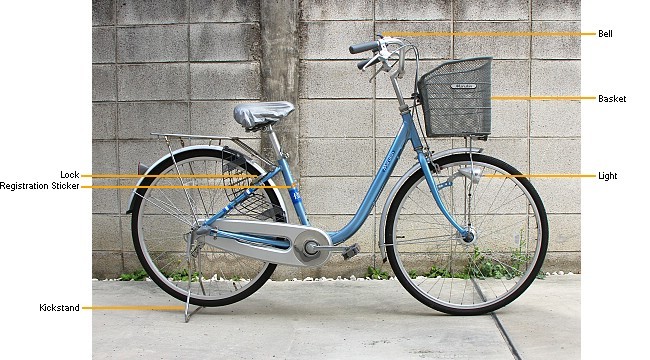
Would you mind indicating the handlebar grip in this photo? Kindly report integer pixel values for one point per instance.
(370, 45)
(362, 63)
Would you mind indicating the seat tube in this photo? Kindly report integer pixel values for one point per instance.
(274, 142)
(294, 194)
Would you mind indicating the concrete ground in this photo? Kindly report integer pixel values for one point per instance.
(336, 320)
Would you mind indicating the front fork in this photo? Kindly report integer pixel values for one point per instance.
(466, 233)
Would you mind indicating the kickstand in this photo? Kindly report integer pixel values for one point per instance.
(189, 314)
(190, 240)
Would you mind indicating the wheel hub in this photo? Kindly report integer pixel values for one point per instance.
(470, 238)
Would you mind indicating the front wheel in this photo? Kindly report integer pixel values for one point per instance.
(462, 276)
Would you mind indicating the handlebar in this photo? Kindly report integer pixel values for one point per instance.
(370, 45)
(381, 53)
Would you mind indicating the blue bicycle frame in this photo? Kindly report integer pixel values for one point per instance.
(406, 132)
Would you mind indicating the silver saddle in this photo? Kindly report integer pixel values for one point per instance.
(255, 116)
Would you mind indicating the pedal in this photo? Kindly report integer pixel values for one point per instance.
(351, 251)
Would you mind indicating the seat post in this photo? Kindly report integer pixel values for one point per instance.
(274, 142)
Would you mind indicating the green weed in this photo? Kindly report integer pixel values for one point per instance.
(376, 274)
(138, 275)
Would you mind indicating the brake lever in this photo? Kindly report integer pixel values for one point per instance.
(371, 61)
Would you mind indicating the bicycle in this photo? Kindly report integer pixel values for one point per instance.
(464, 233)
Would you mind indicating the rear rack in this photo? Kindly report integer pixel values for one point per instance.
(237, 140)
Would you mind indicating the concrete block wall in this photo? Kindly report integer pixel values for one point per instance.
(177, 66)
(182, 65)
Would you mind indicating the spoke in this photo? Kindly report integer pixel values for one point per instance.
(166, 264)
(496, 196)
(441, 287)
(213, 194)
(486, 186)
(409, 219)
(415, 219)
(426, 212)
(159, 238)
(198, 189)
(506, 265)
(428, 228)
(492, 213)
(422, 240)
(478, 290)
(180, 179)
(177, 216)
(462, 299)
(481, 276)
(435, 282)
(170, 204)
(511, 225)
(242, 266)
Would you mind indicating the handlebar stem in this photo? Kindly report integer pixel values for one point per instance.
(394, 75)
(402, 104)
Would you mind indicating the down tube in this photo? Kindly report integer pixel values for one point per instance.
(380, 180)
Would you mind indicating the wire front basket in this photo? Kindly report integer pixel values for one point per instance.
(456, 98)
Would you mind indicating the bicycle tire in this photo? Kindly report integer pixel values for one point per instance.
(162, 217)
(441, 270)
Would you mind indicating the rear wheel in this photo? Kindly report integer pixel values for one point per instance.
(457, 276)
(163, 216)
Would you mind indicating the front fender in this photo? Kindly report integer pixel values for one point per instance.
(402, 180)
(215, 147)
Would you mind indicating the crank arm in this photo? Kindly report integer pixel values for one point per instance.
(347, 251)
